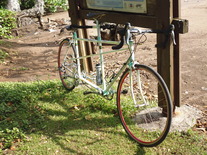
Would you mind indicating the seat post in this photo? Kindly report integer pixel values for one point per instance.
(100, 53)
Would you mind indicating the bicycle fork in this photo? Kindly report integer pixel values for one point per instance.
(137, 76)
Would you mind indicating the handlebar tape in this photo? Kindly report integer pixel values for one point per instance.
(120, 45)
(122, 34)
(71, 27)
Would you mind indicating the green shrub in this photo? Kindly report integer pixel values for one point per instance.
(26, 4)
(53, 5)
(3, 3)
(50, 5)
(7, 22)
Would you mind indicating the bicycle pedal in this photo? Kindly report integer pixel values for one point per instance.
(87, 92)
(124, 91)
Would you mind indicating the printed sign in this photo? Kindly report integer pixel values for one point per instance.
(133, 6)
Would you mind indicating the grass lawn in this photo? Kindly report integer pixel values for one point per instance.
(42, 118)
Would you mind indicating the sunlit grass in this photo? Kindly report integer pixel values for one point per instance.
(55, 121)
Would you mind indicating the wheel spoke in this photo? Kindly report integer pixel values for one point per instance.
(139, 108)
(67, 64)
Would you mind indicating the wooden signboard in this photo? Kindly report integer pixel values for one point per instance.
(133, 6)
(152, 14)
(137, 12)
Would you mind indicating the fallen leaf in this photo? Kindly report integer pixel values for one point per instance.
(88, 117)
(8, 119)
(201, 129)
(9, 103)
(76, 108)
(1, 145)
(13, 148)
(18, 140)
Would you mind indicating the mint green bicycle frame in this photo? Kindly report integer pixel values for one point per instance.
(129, 63)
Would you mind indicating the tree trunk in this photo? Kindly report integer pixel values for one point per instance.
(35, 12)
(40, 5)
(13, 5)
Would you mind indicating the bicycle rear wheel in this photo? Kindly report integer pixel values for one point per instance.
(67, 64)
(145, 117)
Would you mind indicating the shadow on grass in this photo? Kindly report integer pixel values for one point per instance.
(80, 120)
(71, 120)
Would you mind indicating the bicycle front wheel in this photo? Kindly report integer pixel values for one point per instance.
(67, 64)
(144, 105)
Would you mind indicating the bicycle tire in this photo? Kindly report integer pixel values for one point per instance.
(148, 121)
(67, 66)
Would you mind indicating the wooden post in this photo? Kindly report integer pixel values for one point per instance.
(165, 54)
(83, 47)
(177, 85)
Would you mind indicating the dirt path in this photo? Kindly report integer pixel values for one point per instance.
(193, 54)
(34, 56)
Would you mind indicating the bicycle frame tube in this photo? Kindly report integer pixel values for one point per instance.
(76, 52)
(101, 54)
(129, 63)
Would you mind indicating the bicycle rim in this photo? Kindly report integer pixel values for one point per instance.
(67, 64)
(145, 117)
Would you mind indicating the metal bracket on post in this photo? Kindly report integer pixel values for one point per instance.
(181, 25)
